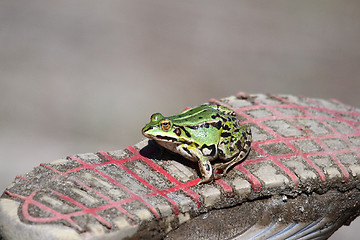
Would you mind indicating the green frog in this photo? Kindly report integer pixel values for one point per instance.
(203, 134)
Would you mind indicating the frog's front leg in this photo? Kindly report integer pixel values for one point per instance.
(193, 153)
(206, 170)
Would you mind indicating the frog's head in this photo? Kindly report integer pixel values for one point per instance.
(160, 128)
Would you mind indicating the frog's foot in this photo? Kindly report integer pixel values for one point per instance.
(206, 172)
(220, 166)
(219, 174)
(224, 167)
(220, 169)
(203, 180)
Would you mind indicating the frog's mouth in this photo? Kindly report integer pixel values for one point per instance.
(170, 139)
(159, 137)
(165, 138)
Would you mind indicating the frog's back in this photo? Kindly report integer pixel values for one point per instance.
(203, 113)
(223, 110)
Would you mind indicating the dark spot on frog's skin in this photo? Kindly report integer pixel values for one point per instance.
(216, 125)
(224, 118)
(207, 167)
(215, 116)
(185, 131)
(206, 125)
(225, 127)
(177, 131)
(211, 148)
(225, 134)
(238, 144)
(225, 142)
(200, 117)
(221, 153)
(248, 143)
(244, 134)
(193, 127)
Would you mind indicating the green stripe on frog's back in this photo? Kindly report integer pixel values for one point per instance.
(196, 116)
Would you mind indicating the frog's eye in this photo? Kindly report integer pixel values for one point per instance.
(156, 117)
(165, 125)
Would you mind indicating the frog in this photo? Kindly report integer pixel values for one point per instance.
(203, 134)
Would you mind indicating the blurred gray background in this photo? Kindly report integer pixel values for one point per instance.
(82, 76)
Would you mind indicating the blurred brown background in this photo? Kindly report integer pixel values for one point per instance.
(81, 76)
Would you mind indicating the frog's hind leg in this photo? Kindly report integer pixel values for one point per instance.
(240, 143)
(224, 167)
